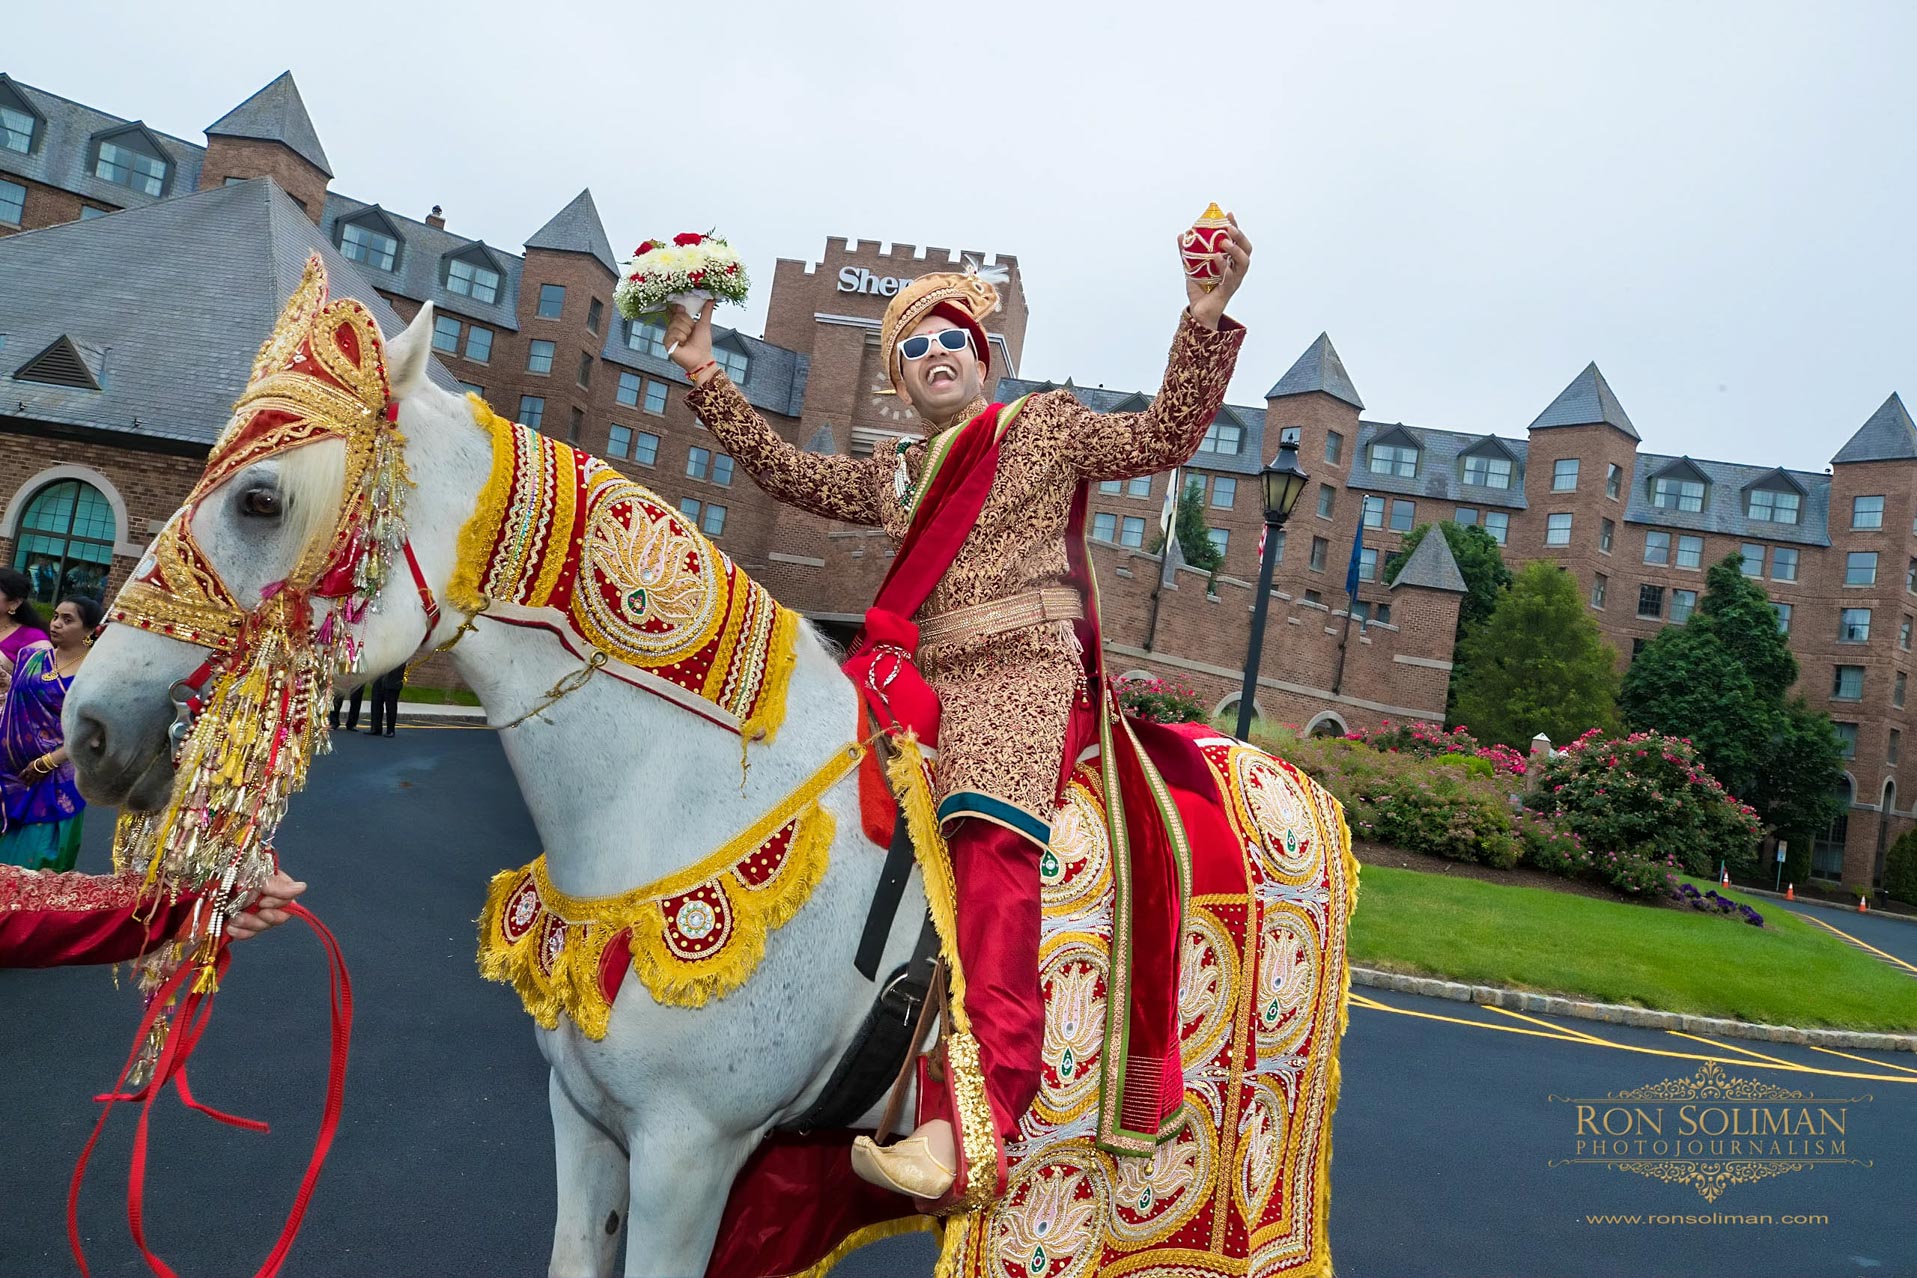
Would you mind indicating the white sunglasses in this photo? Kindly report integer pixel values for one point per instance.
(918, 347)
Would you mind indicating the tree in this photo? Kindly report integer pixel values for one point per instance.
(1537, 664)
(1193, 532)
(1485, 574)
(1723, 680)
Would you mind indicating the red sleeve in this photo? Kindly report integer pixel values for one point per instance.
(50, 919)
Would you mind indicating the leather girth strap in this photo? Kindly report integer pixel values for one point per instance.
(889, 1035)
(885, 898)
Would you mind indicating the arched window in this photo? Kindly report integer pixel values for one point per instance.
(65, 541)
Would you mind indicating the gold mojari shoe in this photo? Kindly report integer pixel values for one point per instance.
(905, 1167)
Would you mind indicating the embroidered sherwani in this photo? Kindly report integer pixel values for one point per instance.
(1006, 699)
(51, 919)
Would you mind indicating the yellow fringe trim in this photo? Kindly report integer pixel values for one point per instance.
(865, 1237)
(782, 656)
(911, 783)
(572, 986)
(489, 508)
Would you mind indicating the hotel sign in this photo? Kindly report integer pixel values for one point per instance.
(856, 279)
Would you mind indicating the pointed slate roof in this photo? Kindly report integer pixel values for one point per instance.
(577, 229)
(1318, 369)
(1889, 435)
(1432, 566)
(1587, 401)
(275, 114)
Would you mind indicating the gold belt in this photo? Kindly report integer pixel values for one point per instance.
(1034, 607)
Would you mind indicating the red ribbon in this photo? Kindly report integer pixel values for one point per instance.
(189, 1025)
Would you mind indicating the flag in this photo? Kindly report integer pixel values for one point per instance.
(1357, 550)
(1264, 531)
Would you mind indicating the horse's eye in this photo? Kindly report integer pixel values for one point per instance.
(261, 503)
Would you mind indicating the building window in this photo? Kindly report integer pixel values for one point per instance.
(1657, 548)
(1784, 564)
(1690, 552)
(479, 343)
(1770, 506)
(619, 441)
(577, 426)
(585, 369)
(722, 469)
(1607, 536)
(16, 128)
(1650, 601)
(1224, 490)
(1326, 496)
(1897, 690)
(1394, 459)
(1403, 514)
(472, 279)
(532, 411)
(645, 448)
(1313, 597)
(1847, 684)
(655, 396)
(1564, 475)
(1896, 742)
(595, 314)
(1753, 559)
(713, 522)
(539, 357)
(13, 203)
(1498, 524)
(64, 543)
(1222, 437)
(1334, 447)
(1670, 493)
(1278, 551)
(1465, 516)
(1853, 625)
(1683, 603)
(1220, 537)
(1903, 633)
(627, 392)
(1367, 564)
(88, 212)
(445, 334)
(1847, 733)
(552, 300)
(1111, 487)
(1866, 513)
(733, 363)
(132, 167)
(1557, 530)
(1105, 527)
(1910, 577)
(368, 245)
(1141, 486)
(1860, 568)
(1131, 531)
(1783, 618)
(1599, 586)
(1487, 472)
(1613, 480)
(1374, 512)
(474, 388)
(1319, 549)
(698, 461)
(648, 337)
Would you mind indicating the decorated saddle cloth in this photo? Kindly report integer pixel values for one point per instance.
(1243, 1186)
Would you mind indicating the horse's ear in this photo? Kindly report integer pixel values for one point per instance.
(407, 353)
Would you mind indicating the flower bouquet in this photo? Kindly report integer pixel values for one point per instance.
(689, 271)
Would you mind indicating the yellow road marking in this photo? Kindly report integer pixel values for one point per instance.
(1362, 1001)
(1831, 1051)
(1733, 1047)
(1862, 945)
(1563, 1029)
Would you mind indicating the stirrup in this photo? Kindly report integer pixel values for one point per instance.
(906, 1167)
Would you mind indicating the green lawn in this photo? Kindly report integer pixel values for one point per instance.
(1784, 973)
(439, 696)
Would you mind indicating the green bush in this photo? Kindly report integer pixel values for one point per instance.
(1646, 799)
(1467, 763)
(1159, 700)
(1900, 868)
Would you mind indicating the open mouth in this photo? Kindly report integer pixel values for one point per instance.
(941, 375)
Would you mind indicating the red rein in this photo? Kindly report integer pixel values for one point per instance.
(196, 1010)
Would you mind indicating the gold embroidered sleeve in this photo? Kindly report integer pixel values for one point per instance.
(1123, 445)
(831, 485)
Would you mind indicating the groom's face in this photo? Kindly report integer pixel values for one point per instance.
(941, 381)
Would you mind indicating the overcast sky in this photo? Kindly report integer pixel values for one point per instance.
(1716, 202)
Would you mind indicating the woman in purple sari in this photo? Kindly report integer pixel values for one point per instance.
(43, 806)
(20, 622)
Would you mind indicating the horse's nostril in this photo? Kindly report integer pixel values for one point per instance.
(90, 742)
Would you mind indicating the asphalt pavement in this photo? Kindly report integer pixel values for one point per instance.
(1445, 1140)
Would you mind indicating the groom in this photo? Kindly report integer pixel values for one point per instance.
(1003, 639)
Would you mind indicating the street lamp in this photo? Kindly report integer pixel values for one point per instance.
(1282, 483)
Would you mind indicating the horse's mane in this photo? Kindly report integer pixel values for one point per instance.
(312, 480)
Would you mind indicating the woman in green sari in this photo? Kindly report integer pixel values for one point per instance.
(43, 807)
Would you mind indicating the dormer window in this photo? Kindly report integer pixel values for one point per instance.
(131, 158)
(732, 361)
(371, 239)
(648, 337)
(19, 122)
(1678, 486)
(1487, 464)
(471, 274)
(1394, 452)
(1223, 436)
(1767, 506)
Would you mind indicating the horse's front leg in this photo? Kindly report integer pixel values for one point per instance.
(682, 1171)
(592, 1191)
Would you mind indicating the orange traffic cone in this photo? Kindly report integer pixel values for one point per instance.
(1790, 891)
(1723, 876)
(1863, 905)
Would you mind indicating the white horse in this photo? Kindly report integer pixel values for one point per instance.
(652, 1122)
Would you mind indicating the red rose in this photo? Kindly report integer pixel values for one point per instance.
(644, 249)
(686, 239)
(697, 278)
(731, 268)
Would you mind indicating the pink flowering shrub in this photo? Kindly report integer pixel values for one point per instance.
(1159, 700)
(1646, 809)
(1407, 801)
(1428, 740)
